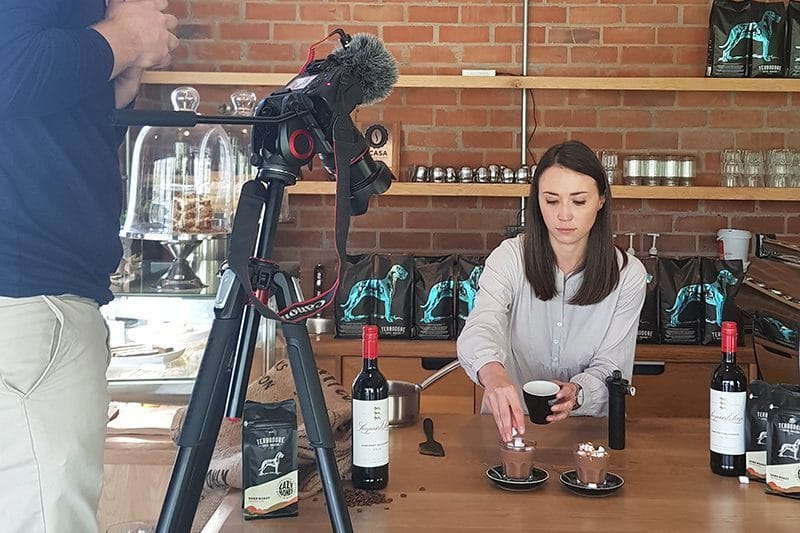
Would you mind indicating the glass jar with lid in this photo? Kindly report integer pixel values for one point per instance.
(181, 188)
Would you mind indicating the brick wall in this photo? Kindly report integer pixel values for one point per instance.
(473, 127)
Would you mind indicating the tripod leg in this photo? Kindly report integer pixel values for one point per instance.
(200, 429)
(315, 416)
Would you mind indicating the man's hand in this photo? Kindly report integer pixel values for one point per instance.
(126, 86)
(565, 401)
(139, 34)
(502, 399)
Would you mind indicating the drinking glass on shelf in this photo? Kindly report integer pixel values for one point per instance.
(732, 175)
(753, 168)
(132, 527)
(795, 182)
(609, 160)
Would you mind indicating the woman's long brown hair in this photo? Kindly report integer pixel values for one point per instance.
(599, 267)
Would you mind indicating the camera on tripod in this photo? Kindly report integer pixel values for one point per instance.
(320, 99)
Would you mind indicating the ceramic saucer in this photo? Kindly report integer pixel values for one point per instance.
(613, 483)
(497, 476)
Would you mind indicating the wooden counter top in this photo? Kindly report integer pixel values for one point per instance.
(327, 345)
(668, 486)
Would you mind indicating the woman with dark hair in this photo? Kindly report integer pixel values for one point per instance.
(559, 302)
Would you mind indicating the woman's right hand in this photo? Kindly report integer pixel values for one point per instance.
(502, 399)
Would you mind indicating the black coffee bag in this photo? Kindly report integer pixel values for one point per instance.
(648, 318)
(468, 272)
(721, 282)
(778, 330)
(760, 397)
(433, 297)
(355, 301)
(767, 39)
(783, 447)
(728, 39)
(793, 39)
(680, 294)
(269, 460)
(392, 291)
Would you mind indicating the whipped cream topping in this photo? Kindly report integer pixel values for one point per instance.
(587, 449)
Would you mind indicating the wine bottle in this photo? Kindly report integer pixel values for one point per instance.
(727, 413)
(370, 418)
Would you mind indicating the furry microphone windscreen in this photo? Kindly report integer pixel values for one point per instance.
(371, 64)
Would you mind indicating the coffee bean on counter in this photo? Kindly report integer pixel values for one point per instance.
(402, 494)
(422, 489)
(361, 497)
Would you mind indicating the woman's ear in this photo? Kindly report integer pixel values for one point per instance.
(602, 203)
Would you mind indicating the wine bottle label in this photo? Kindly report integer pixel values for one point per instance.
(727, 422)
(371, 432)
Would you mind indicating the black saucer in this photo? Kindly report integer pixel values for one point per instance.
(497, 476)
(613, 483)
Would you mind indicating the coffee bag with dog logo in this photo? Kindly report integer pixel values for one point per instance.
(767, 39)
(393, 290)
(721, 282)
(468, 272)
(793, 39)
(760, 396)
(269, 460)
(783, 332)
(648, 318)
(355, 305)
(433, 297)
(680, 295)
(783, 447)
(728, 39)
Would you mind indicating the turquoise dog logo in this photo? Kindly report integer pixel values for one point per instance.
(713, 293)
(439, 292)
(468, 288)
(382, 289)
(759, 32)
(788, 335)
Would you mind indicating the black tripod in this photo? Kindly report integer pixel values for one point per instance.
(225, 368)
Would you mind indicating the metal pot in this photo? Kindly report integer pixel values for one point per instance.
(404, 396)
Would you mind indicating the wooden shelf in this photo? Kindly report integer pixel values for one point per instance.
(328, 346)
(497, 82)
(504, 190)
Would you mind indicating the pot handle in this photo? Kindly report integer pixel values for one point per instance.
(446, 369)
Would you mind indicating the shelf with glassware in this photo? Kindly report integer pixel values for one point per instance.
(455, 81)
(696, 192)
(509, 190)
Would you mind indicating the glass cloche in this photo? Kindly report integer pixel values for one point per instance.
(240, 135)
(181, 189)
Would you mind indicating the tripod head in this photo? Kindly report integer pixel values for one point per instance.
(310, 116)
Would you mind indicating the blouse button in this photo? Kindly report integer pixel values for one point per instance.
(558, 324)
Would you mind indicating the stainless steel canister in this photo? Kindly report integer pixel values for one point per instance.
(508, 175)
(522, 175)
(632, 170)
(671, 175)
(651, 173)
(686, 171)
(450, 175)
(494, 174)
(465, 175)
(437, 175)
(421, 174)
(482, 175)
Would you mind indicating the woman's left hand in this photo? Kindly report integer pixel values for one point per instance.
(565, 401)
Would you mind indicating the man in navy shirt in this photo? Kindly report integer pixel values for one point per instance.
(64, 66)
